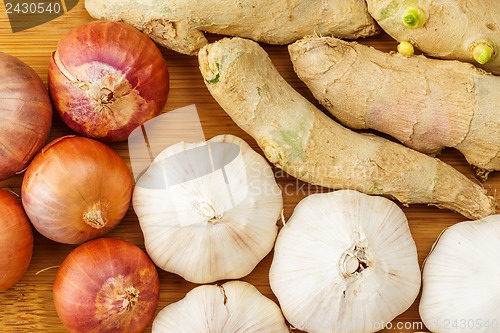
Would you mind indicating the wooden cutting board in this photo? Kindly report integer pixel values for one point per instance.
(28, 306)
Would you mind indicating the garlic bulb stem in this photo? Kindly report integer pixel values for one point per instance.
(351, 265)
(208, 210)
(353, 260)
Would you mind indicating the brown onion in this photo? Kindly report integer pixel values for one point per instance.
(107, 78)
(16, 241)
(106, 285)
(25, 115)
(76, 189)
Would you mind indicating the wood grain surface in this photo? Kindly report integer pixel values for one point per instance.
(28, 306)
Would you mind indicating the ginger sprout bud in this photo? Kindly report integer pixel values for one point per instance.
(406, 48)
(482, 53)
(414, 17)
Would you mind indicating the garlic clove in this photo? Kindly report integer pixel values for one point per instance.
(234, 307)
(461, 279)
(208, 210)
(345, 262)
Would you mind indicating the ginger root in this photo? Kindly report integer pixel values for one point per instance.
(427, 104)
(304, 142)
(450, 29)
(180, 24)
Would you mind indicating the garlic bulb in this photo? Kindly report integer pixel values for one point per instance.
(461, 279)
(234, 307)
(208, 210)
(345, 262)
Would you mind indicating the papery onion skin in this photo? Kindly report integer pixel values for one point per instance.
(25, 115)
(76, 189)
(106, 285)
(16, 241)
(107, 78)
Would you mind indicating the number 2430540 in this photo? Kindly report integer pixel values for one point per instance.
(33, 8)
(470, 324)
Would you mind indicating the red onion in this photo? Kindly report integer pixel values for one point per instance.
(76, 189)
(25, 115)
(107, 78)
(16, 241)
(106, 285)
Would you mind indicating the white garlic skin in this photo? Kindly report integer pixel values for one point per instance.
(314, 275)
(461, 279)
(208, 225)
(234, 307)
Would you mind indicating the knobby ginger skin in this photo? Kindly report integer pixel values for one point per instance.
(307, 144)
(428, 104)
(449, 29)
(180, 24)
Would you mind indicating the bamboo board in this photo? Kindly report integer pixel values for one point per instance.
(28, 306)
